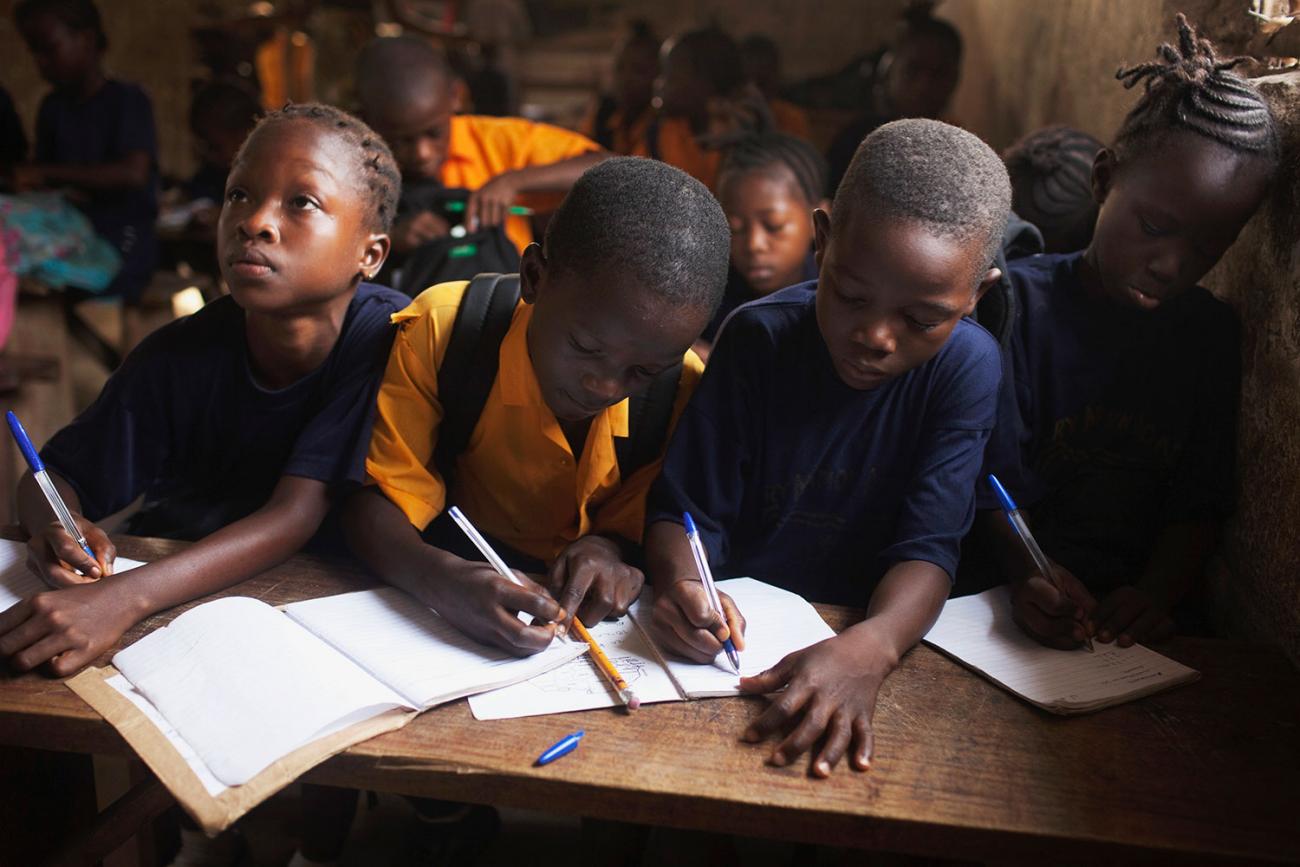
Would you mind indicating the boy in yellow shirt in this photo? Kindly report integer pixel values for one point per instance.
(633, 267)
(406, 92)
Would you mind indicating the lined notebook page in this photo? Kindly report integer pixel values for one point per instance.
(244, 685)
(579, 685)
(17, 582)
(979, 632)
(413, 650)
(777, 623)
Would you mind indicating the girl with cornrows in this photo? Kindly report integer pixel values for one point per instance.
(1123, 373)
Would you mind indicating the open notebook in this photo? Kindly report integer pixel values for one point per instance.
(778, 623)
(978, 632)
(242, 684)
(17, 582)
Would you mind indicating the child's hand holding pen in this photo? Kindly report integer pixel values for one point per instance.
(1057, 618)
(689, 625)
(57, 557)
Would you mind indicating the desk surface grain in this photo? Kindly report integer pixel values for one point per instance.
(1199, 773)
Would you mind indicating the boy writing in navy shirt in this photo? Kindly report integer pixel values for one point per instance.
(239, 424)
(833, 443)
(1119, 432)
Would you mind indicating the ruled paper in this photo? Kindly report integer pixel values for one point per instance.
(17, 581)
(979, 632)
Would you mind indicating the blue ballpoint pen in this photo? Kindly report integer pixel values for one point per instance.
(563, 747)
(46, 485)
(706, 578)
(1031, 544)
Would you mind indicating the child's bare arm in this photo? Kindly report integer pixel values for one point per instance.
(469, 595)
(71, 627)
(1141, 612)
(49, 547)
(489, 205)
(831, 687)
(685, 621)
(129, 172)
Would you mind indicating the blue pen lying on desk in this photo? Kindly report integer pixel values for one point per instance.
(47, 486)
(563, 747)
(1031, 544)
(706, 578)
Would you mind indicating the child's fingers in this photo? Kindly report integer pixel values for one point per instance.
(574, 580)
(105, 550)
(530, 600)
(681, 637)
(693, 602)
(520, 638)
(771, 680)
(1115, 618)
(1151, 625)
(838, 732)
(864, 739)
(19, 629)
(42, 651)
(816, 717)
(735, 621)
(66, 549)
(783, 709)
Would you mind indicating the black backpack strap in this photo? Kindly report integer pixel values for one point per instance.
(469, 366)
(652, 137)
(648, 416)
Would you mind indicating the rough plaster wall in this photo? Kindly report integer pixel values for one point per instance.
(1258, 589)
(1032, 63)
(148, 43)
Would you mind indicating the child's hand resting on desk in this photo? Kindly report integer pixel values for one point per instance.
(1053, 618)
(830, 691)
(689, 626)
(1132, 614)
(54, 554)
(590, 579)
(484, 606)
(67, 628)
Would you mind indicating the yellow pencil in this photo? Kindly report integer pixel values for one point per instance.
(607, 667)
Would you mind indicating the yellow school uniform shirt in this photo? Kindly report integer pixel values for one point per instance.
(480, 148)
(517, 479)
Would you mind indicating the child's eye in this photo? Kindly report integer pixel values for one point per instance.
(774, 229)
(921, 326)
(303, 202)
(580, 348)
(644, 372)
(846, 300)
(1150, 228)
(235, 194)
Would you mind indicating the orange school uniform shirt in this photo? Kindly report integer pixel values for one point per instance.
(517, 479)
(480, 148)
(626, 137)
(676, 145)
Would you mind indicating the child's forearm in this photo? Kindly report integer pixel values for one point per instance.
(130, 172)
(232, 554)
(34, 511)
(903, 607)
(559, 176)
(1178, 559)
(382, 537)
(668, 555)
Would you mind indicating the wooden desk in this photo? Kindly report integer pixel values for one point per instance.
(1199, 774)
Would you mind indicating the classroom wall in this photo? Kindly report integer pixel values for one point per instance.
(1030, 64)
(148, 43)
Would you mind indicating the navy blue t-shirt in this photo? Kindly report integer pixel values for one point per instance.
(1114, 422)
(114, 121)
(739, 292)
(797, 479)
(184, 422)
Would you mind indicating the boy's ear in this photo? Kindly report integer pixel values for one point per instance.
(532, 268)
(821, 234)
(987, 282)
(376, 251)
(1103, 174)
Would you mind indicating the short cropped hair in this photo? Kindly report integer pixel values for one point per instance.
(653, 224)
(931, 172)
(393, 70)
(373, 171)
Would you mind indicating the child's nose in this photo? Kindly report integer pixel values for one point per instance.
(875, 335)
(260, 224)
(603, 387)
(1166, 265)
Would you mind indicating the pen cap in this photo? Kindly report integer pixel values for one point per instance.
(1003, 497)
(24, 443)
(686, 519)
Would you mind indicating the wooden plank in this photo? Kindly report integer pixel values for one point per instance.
(1200, 773)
